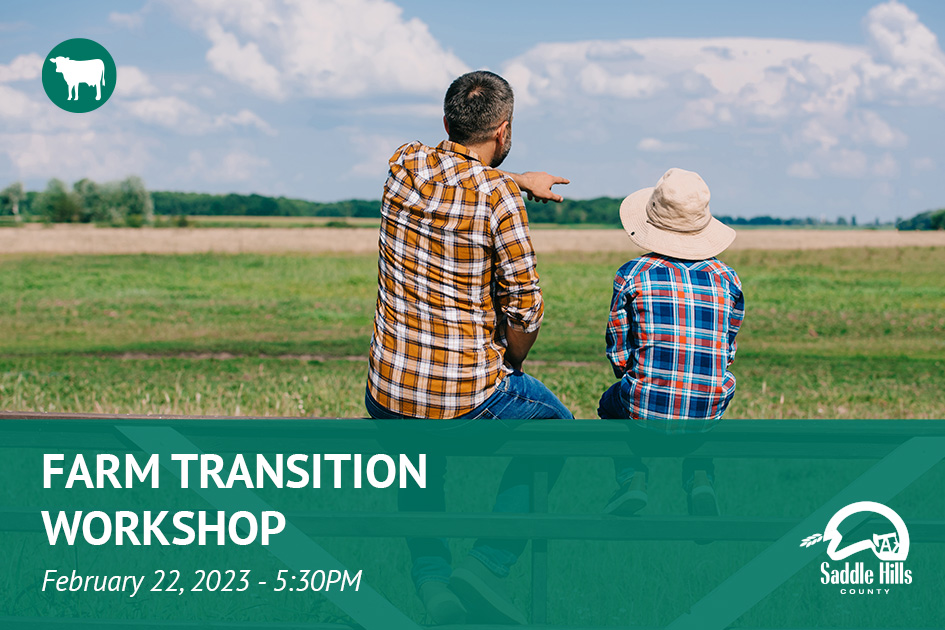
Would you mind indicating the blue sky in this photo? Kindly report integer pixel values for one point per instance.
(791, 109)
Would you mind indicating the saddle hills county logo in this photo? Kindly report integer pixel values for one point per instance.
(79, 75)
(891, 549)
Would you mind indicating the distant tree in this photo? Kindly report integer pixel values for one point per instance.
(134, 202)
(57, 204)
(97, 203)
(853, 220)
(13, 194)
(841, 221)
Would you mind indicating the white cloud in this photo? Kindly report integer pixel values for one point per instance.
(239, 166)
(861, 128)
(22, 68)
(831, 105)
(655, 145)
(595, 80)
(14, 103)
(819, 132)
(233, 167)
(923, 164)
(803, 170)
(413, 110)
(759, 78)
(839, 162)
(373, 151)
(242, 63)
(907, 64)
(178, 115)
(75, 154)
(166, 111)
(869, 128)
(846, 163)
(133, 82)
(13, 27)
(243, 118)
(718, 81)
(321, 48)
(886, 167)
(126, 20)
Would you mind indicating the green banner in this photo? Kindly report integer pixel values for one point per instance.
(249, 523)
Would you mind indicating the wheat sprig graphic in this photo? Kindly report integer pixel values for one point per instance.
(813, 539)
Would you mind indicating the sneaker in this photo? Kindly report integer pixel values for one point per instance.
(483, 594)
(442, 604)
(629, 498)
(701, 497)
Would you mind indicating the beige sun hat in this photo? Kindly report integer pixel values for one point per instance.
(673, 218)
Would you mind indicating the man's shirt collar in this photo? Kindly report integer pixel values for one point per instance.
(455, 147)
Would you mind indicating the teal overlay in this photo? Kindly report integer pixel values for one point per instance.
(777, 483)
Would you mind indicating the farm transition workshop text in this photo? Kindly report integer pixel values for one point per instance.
(207, 470)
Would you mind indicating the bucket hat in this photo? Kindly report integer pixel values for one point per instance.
(673, 218)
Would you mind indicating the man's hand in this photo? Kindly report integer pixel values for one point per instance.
(537, 185)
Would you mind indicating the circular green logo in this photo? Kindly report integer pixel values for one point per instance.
(79, 75)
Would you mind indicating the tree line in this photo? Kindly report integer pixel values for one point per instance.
(203, 204)
(929, 220)
(606, 211)
(128, 202)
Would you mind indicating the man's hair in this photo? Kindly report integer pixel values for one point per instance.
(475, 105)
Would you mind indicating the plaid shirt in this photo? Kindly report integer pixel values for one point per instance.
(671, 339)
(455, 260)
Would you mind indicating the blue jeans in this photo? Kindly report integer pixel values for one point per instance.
(517, 397)
(611, 406)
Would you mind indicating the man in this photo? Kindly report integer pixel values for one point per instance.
(458, 309)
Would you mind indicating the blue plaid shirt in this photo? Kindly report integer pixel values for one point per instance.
(671, 339)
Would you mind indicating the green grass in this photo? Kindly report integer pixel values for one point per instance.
(835, 333)
(843, 333)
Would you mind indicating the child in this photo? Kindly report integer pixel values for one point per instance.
(671, 336)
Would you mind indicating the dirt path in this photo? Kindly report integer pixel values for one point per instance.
(91, 240)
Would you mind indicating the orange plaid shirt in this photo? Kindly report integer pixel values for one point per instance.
(455, 261)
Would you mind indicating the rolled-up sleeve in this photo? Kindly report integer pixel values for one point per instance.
(517, 293)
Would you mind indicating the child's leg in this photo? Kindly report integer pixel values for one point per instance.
(611, 408)
(626, 467)
(689, 467)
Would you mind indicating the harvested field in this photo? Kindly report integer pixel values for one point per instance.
(67, 239)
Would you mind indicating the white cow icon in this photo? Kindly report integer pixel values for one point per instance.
(90, 72)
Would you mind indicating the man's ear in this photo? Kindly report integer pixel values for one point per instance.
(501, 132)
(446, 126)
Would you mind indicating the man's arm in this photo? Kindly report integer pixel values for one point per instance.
(518, 343)
(537, 185)
(517, 294)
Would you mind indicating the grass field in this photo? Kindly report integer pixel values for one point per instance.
(843, 333)
(849, 333)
